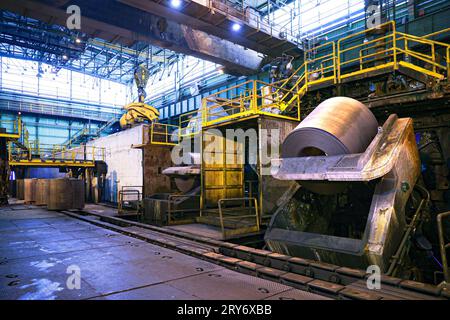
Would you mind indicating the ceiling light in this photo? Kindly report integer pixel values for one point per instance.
(236, 27)
(175, 3)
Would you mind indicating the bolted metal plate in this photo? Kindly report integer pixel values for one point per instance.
(226, 284)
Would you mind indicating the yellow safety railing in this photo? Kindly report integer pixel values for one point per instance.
(164, 134)
(256, 98)
(380, 49)
(318, 67)
(428, 58)
(190, 123)
(366, 55)
(241, 218)
(389, 49)
(440, 32)
(13, 128)
(54, 155)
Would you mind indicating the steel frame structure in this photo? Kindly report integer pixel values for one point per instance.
(30, 39)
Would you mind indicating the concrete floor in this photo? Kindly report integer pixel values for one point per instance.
(37, 247)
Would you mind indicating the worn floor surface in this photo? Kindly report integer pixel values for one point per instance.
(40, 251)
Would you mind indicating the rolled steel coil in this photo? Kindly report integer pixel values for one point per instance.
(337, 126)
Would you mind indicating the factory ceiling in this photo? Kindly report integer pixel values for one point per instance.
(131, 24)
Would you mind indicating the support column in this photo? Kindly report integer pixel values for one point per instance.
(4, 171)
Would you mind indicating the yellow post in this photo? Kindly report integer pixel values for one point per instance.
(394, 43)
(334, 62)
(433, 57)
(448, 63)
(254, 96)
(306, 74)
(151, 133)
(167, 134)
(205, 112)
(9, 151)
(338, 61)
(360, 59)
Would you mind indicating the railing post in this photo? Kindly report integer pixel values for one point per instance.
(433, 55)
(334, 62)
(306, 74)
(167, 134)
(338, 61)
(448, 63)
(360, 60)
(254, 97)
(205, 112)
(394, 42)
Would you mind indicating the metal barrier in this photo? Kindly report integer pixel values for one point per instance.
(130, 206)
(190, 123)
(443, 246)
(38, 154)
(13, 128)
(233, 223)
(318, 67)
(256, 98)
(332, 63)
(390, 49)
(173, 214)
(164, 134)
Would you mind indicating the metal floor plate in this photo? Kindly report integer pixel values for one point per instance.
(37, 246)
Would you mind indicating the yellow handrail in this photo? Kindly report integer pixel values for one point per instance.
(387, 50)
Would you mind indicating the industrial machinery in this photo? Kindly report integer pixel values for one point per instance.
(130, 200)
(360, 199)
(137, 112)
(181, 206)
(4, 170)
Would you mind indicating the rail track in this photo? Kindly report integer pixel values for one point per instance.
(321, 278)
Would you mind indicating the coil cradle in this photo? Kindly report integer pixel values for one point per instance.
(350, 208)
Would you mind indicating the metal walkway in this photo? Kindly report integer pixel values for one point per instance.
(363, 55)
(24, 152)
(37, 246)
(369, 54)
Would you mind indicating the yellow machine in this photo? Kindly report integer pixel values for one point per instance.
(137, 112)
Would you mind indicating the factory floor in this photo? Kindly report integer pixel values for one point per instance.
(41, 251)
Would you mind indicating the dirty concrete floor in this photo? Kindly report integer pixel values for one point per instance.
(40, 251)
